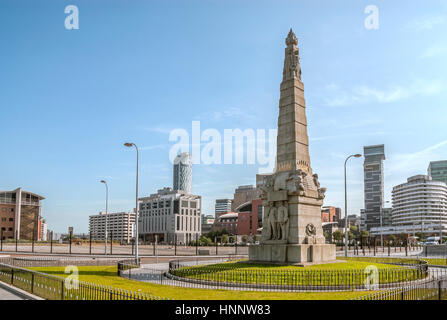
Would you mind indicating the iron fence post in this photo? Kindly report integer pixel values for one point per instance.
(111, 241)
(32, 241)
(90, 243)
(70, 235)
(51, 242)
(32, 282)
(197, 243)
(175, 244)
(440, 290)
(62, 289)
(16, 240)
(1, 240)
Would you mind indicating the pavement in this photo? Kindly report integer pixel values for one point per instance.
(8, 292)
(7, 295)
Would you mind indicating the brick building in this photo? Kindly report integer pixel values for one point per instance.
(20, 214)
(330, 214)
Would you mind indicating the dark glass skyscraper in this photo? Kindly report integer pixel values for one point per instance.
(373, 185)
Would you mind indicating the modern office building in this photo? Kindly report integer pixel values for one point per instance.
(419, 201)
(120, 226)
(419, 205)
(244, 194)
(222, 206)
(182, 173)
(373, 186)
(437, 170)
(20, 213)
(171, 215)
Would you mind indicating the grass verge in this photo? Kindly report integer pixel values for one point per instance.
(107, 276)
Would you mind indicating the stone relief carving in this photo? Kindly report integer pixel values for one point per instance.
(272, 217)
(311, 230)
(296, 184)
(321, 191)
(266, 187)
(275, 192)
(283, 220)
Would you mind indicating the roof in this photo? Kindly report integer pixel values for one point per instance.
(229, 215)
(23, 191)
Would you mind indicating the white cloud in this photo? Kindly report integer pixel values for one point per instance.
(426, 23)
(435, 50)
(365, 94)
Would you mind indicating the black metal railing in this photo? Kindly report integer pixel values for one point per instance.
(432, 288)
(295, 279)
(56, 288)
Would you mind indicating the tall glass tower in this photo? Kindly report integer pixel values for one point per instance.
(373, 185)
(183, 172)
(437, 170)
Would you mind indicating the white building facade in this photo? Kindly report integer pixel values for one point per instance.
(419, 205)
(120, 226)
(169, 216)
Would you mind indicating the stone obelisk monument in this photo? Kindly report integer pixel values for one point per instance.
(292, 196)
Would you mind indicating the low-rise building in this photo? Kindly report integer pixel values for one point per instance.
(20, 213)
(120, 226)
(330, 214)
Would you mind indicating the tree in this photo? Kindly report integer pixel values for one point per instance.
(225, 238)
(244, 239)
(420, 236)
(337, 235)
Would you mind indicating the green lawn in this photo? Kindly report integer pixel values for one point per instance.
(350, 273)
(107, 276)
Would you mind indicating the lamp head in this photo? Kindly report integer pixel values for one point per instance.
(103, 181)
(128, 144)
(358, 155)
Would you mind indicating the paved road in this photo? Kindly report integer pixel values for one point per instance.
(6, 295)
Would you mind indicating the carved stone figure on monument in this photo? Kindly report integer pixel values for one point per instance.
(311, 233)
(283, 219)
(280, 181)
(316, 182)
(321, 193)
(296, 184)
(266, 187)
(273, 217)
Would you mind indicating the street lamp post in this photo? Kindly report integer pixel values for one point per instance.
(381, 221)
(107, 207)
(129, 145)
(346, 205)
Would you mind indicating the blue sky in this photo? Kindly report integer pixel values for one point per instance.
(136, 70)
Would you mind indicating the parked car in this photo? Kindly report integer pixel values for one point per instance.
(430, 243)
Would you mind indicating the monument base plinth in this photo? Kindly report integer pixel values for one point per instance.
(298, 254)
